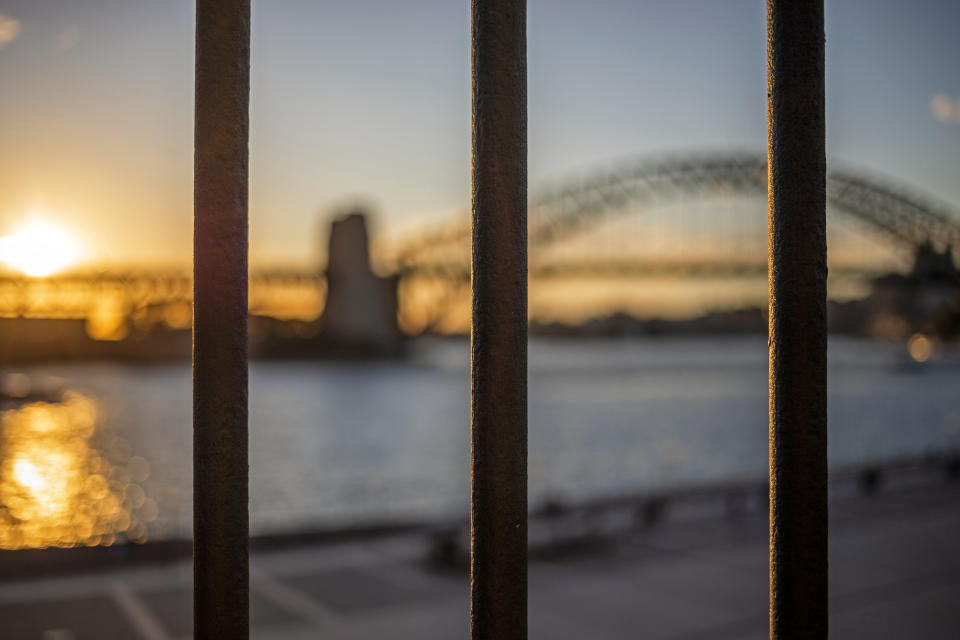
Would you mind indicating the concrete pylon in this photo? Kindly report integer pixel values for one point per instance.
(361, 308)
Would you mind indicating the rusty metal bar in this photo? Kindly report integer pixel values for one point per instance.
(798, 319)
(220, 493)
(498, 566)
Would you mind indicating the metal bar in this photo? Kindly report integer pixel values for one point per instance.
(798, 319)
(220, 493)
(498, 607)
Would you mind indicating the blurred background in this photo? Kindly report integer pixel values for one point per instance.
(648, 361)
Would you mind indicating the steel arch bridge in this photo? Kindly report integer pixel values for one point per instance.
(904, 216)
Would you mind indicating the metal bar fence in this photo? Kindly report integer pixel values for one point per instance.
(797, 264)
(797, 325)
(220, 485)
(498, 607)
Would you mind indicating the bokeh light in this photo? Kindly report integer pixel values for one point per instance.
(58, 489)
(920, 347)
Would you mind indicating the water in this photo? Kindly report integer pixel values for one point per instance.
(334, 443)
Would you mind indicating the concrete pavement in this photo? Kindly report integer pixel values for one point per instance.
(895, 573)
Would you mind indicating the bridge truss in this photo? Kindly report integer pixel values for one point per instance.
(898, 220)
(900, 214)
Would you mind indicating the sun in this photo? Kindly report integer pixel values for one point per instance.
(39, 249)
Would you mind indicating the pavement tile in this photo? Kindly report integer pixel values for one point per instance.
(353, 590)
(94, 618)
(174, 609)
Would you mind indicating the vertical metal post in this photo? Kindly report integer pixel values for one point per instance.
(220, 521)
(498, 514)
(798, 319)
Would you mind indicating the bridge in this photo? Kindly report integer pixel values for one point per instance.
(645, 202)
(877, 225)
(899, 214)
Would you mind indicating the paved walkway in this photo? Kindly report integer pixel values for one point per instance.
(895, 573)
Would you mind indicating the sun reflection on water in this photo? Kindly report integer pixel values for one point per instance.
(58, 489)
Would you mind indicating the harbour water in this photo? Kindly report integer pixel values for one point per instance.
(335, 443)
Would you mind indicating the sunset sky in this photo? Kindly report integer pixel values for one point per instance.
(369, 99)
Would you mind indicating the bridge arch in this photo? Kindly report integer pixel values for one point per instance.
(905, 216)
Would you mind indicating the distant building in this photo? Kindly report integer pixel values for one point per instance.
(926, 300)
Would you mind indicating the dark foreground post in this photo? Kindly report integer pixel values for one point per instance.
(798, 319)
(498, 608)
(220, 536)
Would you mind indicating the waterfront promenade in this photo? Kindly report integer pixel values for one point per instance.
(698, 573)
